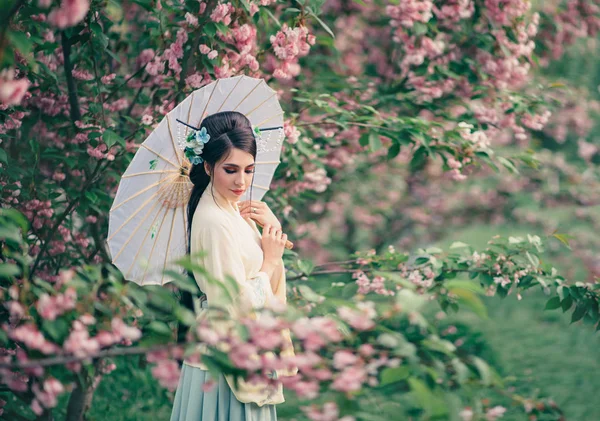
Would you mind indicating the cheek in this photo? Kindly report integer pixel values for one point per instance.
(223, 177)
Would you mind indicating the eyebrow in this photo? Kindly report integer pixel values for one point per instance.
(237, 166)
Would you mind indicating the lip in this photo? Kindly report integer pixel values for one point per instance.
(238, 192)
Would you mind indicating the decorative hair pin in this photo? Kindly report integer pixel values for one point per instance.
(198, 137)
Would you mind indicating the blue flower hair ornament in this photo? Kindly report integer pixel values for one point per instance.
(194, 145)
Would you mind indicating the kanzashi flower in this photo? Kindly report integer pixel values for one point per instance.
(194, 146)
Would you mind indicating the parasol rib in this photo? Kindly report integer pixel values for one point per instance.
(160, 156)
(162, 206)
(140, 192)
(229, 94)
(259, 105)
(208, 102)
(148, 172)
(136, 229)
(170, 237)
(159, 191)
(158, 233)
(173, 140)
(248, 94)
(269, 118)
(190, 113)
(267, 162)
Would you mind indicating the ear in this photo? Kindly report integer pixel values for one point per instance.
(207, 168)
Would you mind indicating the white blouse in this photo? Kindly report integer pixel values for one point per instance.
(233, 256)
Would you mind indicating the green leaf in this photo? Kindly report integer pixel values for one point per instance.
(470, 300)
(433, 405)
(8, 270)
(566, 304)
(508, 165)
(16, 217)
(563, 238)
(324, 25)
(185, 316)
(160, 328)
(57, 329)
(420, 28)
(374, 141)
(394, 150)
(394, 375)
(553, 303)
(579, 312)
(364, 139)
(306, 266)
(210, 29)
(484, 370)
(421, 260)
(21, 42)
(418, 160)
(111, 138)
(309, 294)
(3, 156)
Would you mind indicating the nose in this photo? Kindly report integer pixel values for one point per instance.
(240, 179)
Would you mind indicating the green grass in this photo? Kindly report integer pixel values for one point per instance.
(548, 356)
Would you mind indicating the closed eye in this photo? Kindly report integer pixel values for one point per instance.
(234, 171)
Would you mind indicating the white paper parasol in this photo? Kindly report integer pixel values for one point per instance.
(147, 228)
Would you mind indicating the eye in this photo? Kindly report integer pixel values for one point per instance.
(230, 171)
(250, 171)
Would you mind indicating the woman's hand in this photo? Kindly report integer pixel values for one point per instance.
(273, 243)
(260, 212)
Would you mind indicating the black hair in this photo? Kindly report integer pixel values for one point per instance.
(227, 130)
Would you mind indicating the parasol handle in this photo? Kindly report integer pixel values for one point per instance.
(288, 244)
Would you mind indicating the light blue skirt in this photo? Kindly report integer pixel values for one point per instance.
(218, 404)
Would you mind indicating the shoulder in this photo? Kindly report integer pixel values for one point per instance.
(211, 223)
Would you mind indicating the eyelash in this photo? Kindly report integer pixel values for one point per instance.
(233, 171)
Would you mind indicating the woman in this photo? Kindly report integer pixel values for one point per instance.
(225, 230)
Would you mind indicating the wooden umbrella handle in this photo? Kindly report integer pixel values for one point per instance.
(288, 244)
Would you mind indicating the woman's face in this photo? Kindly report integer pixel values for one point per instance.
(233, 174)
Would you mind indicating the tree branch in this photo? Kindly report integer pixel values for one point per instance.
(73, 99)
(46, 362)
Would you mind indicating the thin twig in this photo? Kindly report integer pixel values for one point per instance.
(62, 217)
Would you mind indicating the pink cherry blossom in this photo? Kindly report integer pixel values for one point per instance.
(329, 412)
(349, 380)
(344, 358)
(167, 373)
(79, 342)
(32, 338)
(12, 90)
(360, 319)
(191, 19)
(70, 13)
(222, 13)
(124, 331)
(47, 395)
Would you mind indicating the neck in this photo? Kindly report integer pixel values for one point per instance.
(222, 201)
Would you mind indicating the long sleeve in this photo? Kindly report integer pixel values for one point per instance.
(229, 287)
